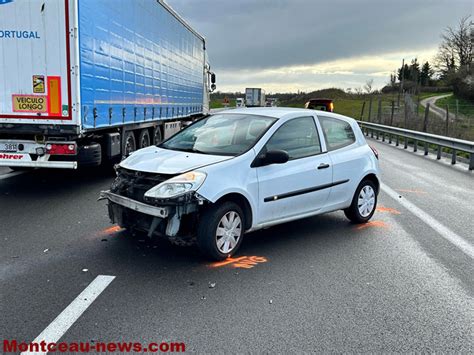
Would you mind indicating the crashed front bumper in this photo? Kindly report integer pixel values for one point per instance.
(173, 219)
(161, 212)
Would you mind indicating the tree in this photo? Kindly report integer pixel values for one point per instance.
(426, 74)
(456, 48)
(368, 86)
(393, 80)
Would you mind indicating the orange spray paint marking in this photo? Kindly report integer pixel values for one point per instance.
(387, 210)
(244, 262)
(110, 230)
(373, 224)
(418, 192)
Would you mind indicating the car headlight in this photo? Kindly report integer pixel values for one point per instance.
(177, 186)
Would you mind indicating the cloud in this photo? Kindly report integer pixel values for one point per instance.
(276, 34)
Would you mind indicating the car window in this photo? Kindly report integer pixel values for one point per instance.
(338, 133)
(220, 134)
(298, 137)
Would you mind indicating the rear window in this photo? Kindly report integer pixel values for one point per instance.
(338, 133)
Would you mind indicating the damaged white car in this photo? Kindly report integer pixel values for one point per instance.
(243, 170)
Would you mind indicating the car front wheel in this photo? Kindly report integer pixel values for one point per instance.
(221, 230)
(363, 204)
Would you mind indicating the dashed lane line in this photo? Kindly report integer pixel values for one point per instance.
(71, 314)
(441, 229)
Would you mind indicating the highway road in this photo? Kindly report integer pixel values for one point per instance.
(401, 283)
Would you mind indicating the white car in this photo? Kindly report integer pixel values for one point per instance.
(243, 170)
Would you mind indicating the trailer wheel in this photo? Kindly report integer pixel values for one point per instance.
(144, 139)
(129, 145)
(157, 137)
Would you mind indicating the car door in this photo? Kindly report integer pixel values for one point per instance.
(347, 158)
(301, 185)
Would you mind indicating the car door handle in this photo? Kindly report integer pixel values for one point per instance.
(323, 166)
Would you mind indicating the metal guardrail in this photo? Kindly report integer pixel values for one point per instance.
(395, 133)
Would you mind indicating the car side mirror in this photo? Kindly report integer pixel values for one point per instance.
(272, 157)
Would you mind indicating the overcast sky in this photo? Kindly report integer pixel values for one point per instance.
(284, 45)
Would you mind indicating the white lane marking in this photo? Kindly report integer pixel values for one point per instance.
(71, 314)
(12, 174)
(444, 231)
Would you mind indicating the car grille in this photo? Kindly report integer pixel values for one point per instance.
(134, 184)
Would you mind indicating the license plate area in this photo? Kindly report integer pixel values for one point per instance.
(8, 147)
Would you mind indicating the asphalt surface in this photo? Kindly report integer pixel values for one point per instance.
(317, 285)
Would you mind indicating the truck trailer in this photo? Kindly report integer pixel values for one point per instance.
(254, 97)
(88, 81)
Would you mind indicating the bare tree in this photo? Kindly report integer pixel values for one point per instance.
(456, 48)
(368, 86)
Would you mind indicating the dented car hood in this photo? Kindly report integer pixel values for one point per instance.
(164, 161)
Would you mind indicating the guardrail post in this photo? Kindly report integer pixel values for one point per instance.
(390, 138)
(440, 149)
(397, 143)
(471, 161)
(405, 141)
(426, 148)
(415, 146)
(453, 157)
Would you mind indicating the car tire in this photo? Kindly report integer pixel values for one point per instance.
(221, 230)
(363, 203)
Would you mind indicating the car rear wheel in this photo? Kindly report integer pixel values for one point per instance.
(220, 230)
(363, 204)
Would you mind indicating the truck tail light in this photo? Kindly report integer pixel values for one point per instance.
(61, 149)
(376, 153)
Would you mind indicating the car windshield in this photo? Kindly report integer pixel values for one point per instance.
(220, 134)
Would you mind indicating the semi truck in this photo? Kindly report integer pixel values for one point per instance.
(88, 81)
(254, 97)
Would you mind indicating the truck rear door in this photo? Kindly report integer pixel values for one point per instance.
(35, 62)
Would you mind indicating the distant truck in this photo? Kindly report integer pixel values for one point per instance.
(320, 104)
(239, 102)
(85, 81)
(254, 97)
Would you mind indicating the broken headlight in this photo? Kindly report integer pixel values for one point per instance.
(177, 186)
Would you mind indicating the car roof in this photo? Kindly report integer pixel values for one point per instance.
(283, 112)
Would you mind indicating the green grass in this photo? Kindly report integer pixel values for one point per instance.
(219, 103)
(466, 107)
